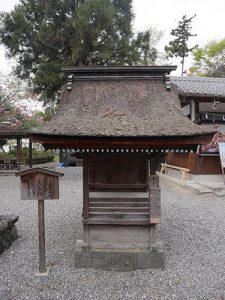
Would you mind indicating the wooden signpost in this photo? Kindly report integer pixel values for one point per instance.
(40, 184)
(222, 157)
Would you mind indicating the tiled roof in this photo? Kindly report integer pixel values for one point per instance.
(200, 86)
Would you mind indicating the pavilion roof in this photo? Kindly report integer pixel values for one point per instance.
(9, 130)
(116, 103)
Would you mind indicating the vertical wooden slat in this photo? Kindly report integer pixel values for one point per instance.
(85, 188)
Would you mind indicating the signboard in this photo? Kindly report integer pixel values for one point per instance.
(39, 186)
(213, 147)
(222, 157)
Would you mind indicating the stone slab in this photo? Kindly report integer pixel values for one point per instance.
(83, 259)
(118, 260)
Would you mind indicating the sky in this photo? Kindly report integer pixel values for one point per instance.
(164, 15)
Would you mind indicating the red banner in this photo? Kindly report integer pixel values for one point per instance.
(213, 147)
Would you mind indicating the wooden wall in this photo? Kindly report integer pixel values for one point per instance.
(197, 164)
(118, 171)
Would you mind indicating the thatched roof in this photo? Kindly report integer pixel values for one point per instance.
(9, 130)
(120, 107)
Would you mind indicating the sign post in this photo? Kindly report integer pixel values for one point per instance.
(41, 226)
(222, 157)
(40, 184)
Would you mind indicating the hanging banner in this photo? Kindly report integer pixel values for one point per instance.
(213, 147)
(222, 154)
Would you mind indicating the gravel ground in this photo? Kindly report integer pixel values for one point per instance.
(192, 230)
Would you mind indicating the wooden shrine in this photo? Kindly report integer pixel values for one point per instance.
(120, 120)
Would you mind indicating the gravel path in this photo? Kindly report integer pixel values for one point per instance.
(192, 230)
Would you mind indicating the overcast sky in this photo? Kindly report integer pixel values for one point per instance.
(209, 23)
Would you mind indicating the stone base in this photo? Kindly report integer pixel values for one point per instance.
(119, 259)
(45, 274)
(8, 231)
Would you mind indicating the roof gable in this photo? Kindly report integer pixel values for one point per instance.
(39, 170)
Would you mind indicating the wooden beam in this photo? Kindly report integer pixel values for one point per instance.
(124, 142)
(118, 186)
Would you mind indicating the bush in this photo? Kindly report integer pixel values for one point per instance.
(4, 155)
(24, 153)
(38, 157)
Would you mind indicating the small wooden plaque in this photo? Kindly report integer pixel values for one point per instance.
(39, 184)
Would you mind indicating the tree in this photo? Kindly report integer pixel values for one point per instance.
(209, 60)
(179, 46)
(45, 35)
(14, 94)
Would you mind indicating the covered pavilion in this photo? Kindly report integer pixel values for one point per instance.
(9, 131)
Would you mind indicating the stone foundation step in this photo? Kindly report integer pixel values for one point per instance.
(197, 187)
(120, 260)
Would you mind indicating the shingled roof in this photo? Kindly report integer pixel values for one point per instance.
(200, 86)
(118, 106)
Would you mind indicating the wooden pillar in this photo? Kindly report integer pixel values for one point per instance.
(155, 200)
(30, 153)
(85, 203)
(18, 153)
(197, 116)
(192, 111)
(41, 226)
(153, 165)
(85, 188)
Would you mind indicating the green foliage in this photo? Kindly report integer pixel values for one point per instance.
(38, 157)
(45, 35)
(179, 46)
(209, 60)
